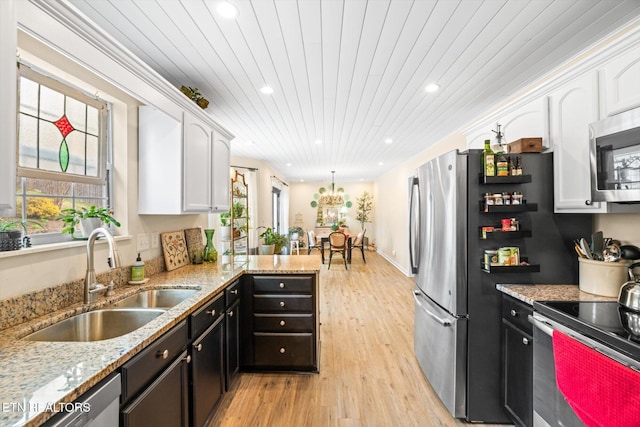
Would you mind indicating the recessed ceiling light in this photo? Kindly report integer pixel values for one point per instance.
(227, 10)
(288, 164)
(301, 179)
(380, 163)
(388, 141)
(267, 90)
(318, 141)
(432, 88)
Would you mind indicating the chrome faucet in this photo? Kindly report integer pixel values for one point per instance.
(90, 285)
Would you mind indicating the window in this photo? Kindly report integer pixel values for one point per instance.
(63, 152)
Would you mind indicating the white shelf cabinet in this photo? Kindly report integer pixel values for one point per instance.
(183, 167)
(8, 40)
(620, 83)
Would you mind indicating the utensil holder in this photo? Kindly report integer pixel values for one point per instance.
(602, 278)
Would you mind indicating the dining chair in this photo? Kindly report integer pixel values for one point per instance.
(313, 243)
(359, 243)
(338, 243)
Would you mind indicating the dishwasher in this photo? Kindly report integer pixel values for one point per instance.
(102, 404)
(576, 320)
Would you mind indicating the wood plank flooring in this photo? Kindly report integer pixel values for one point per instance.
(368, 372)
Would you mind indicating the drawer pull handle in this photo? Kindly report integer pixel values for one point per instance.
(187, 359)
(212, 312)
(525, 341)
(198, 347)
(164, 354)
(282, 304)
(231, 313)
(514, 313)
(281, 285)
(235, 292)
(282, 323)
(282, 350)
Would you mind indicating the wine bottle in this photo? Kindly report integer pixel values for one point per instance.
(488, 159)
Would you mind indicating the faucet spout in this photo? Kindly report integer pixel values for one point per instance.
(113, 260)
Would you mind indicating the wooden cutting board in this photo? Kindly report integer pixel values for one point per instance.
(174, 248)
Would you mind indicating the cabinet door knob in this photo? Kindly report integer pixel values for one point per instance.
(235, 292)
(525, 341)
(187, 359)
(231, 313)
(282, 350)
(198, 347)
(282, 323)
(281, 285)
(514, 313)
(282, 304)
(587, 202)
(212, 312)
(164, 354)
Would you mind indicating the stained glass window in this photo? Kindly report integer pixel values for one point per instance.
(61, 131)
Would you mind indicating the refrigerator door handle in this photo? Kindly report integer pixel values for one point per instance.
(441, 321)
(414, 228)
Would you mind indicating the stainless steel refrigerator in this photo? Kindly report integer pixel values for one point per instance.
(457, 334)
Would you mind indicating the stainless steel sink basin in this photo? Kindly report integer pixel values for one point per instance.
(96, 325)
(156, 298)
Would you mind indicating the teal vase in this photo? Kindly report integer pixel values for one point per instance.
(210, 254)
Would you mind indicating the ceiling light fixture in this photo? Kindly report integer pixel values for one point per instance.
(332, 197)
(267, 90)
(432, 88)
(388, 141)
(227, 10)
(318, 141)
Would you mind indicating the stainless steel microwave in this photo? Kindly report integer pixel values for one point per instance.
(615, 158)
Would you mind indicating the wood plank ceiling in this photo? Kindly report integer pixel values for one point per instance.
(349, 74)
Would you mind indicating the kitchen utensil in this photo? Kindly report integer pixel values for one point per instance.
(585, 248)
(629, 296)
(630, 252)
(611, 253)
(597, 241)
(630, 321)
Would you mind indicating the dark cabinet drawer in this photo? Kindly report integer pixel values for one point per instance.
(283, 322)
(140, 370)
(282, 303)
(232, 293)
(293, 351)
(207, 315)
(517, 313)
(299, 284)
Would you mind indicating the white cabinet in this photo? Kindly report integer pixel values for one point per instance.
(620, 83)
(183, 166)
(571, 109)
(8, 36)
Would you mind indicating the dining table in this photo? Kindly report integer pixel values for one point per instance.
(325, 240)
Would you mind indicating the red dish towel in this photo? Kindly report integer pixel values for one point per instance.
(601, 391)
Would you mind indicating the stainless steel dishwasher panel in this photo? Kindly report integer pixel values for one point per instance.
(441, 349)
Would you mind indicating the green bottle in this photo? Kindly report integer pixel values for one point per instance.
(488, 159)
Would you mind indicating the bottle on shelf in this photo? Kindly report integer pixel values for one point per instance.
(519, 165)
(502, 166)
(512, 166)
(488, 159)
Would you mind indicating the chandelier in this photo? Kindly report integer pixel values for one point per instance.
(332, 197)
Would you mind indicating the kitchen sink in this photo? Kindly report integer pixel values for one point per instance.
(156, 298)
(97, 325)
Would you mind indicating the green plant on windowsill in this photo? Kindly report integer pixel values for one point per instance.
(71, 217)
(11, 238)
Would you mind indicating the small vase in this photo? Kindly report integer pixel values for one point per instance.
(210, 254)
(87, 225)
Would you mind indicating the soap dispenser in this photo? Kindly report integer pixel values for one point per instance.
(137, 270)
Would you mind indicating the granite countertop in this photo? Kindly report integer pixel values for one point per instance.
(531, 293)
(36, 375)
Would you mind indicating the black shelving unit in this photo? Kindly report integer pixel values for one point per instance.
(497, 234)
(526, 207)
(515, 179)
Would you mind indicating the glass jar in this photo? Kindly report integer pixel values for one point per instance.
(516, 198)
(209, 254)
(497, 199)
(506, 197)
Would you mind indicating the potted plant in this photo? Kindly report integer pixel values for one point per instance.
(226, 256)
(225, 226)
(364, 209)
(11, 234)
(269, 238)
(194, 94)
(281, 242)
(295, 233)
(88, 218)
(238, 209)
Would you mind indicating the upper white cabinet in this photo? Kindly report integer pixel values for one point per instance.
(8, 35)
(620, 83)
(183, 167)
(571, 109)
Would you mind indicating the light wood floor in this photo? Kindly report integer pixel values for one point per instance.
(368, 372)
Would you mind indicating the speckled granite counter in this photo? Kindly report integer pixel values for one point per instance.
(531, 293)
(36, 374)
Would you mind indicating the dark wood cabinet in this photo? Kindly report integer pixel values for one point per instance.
(517, 361)
(282, 324)
(232, 345)
(207, 359)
